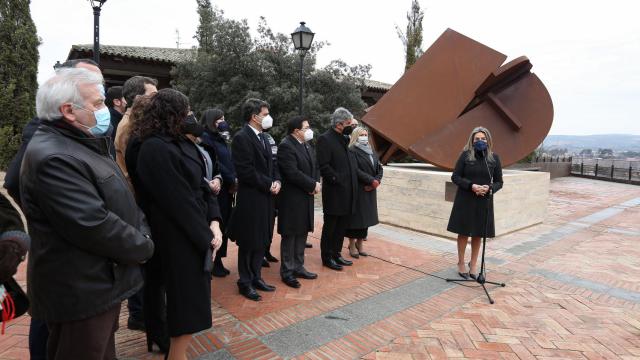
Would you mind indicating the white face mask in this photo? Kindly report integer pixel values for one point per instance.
(267, 122)
(363, 140)
(308, 135)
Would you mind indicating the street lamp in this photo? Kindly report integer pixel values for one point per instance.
(302, 38)
(97, 6)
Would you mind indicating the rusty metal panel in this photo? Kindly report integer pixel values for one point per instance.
(456, 85)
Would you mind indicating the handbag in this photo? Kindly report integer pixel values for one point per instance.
(13, 300)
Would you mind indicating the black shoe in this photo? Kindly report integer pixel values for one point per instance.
(471, 275)
(270, 258)
(265, 263)
(308, 245)
(219, 270)
(162, 343)
(291, 281)
(463, 275)
(261, 285)
(331, 264)
(135, 324)
(342, 261)
(250, 293)
(304, 274)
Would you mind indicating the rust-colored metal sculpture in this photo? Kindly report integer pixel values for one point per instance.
(456, 85)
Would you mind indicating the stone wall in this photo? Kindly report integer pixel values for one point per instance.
(417, 197)
(555, 169)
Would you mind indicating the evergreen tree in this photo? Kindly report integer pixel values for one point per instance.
(232, 66)
(412, 38)
(18, 74)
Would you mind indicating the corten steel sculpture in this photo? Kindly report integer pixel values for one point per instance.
(456, 85)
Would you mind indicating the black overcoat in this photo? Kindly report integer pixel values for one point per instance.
(299, 176)
(252, 218)
(168, 177)
(468, 212)
(366, 201)
(338, 169)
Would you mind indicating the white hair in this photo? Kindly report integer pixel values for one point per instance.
(63, 88)
(341, 114)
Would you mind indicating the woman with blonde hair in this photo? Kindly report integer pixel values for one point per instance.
(369, 177)
(478, 174)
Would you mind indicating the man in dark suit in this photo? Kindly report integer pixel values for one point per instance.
(295, 202)
(339, 181)
(258, 182)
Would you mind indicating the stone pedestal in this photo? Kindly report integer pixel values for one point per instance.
(419, 197)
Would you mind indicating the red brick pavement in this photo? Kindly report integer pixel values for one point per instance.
(533, 318)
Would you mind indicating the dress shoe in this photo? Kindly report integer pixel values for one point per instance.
(291, 281)
(472, 275)
(342, 261)
(271, 258)
(265, 263)
(250, 293)
(261, 285)
(304, 274)
(135, 324)
(331, 264)
(308, 245)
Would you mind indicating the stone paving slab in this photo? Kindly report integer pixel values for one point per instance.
(573, 291)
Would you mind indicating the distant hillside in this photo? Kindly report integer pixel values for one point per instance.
(616, 142)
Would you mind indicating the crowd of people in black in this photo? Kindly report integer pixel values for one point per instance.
(127, 195)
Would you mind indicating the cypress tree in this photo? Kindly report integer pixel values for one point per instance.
(18, 74)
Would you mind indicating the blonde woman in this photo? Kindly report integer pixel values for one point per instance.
(369, 177)
(478, 174)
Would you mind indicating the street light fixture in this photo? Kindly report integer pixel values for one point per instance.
(97, 6)
(302, 38)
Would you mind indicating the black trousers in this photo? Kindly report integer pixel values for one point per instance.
(90, 339)
(332, 237)
(249, 266)
(292, 254)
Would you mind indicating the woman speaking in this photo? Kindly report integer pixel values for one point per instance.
(478, 174)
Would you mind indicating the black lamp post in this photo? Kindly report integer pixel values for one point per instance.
(97, 6)
(302, 38)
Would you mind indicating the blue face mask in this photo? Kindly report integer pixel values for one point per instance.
(480, 145)
(103, 121)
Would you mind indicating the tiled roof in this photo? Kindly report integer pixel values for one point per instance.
(169, 55)
(377, 85)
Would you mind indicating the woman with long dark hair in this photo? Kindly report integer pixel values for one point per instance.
(478, 174)
(168, 175)
(215, 140)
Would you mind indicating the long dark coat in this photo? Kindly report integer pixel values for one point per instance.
(168, 177)
(338, 169)
(469, 211)
(252, 219)
(299, 176)
(366, 201)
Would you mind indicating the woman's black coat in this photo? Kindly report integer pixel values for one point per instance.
(366, 201)
(299, 176)
(168, 177)
(468, 212)
(251, 222)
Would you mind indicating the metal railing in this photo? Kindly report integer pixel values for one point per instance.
(607, 169)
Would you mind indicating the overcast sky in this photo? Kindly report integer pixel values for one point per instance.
(585, 52)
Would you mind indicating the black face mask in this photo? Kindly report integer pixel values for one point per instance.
(193, 129)
(347, 130)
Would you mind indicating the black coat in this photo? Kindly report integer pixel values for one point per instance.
(168, 177)
(338, 169)
(468, 212)
(84, 223)
(366, 201)
(252, 219)
(299, 176)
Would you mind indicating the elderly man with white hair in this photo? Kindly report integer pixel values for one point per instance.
(88, 236)
(339, 184)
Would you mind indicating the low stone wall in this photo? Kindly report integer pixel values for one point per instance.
(555, 169)
(420, 197)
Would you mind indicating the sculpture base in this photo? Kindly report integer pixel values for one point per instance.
(420, 197)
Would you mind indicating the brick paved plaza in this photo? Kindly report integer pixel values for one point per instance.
(573, 291)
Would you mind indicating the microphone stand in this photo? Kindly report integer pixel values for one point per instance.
(481, 278)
